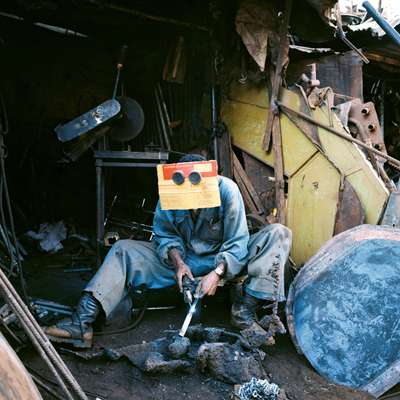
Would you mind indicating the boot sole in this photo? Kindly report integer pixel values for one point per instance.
(78, 343)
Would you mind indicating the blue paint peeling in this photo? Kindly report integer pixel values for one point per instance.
(347, 318)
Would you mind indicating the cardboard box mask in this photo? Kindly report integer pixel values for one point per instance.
(190, 185)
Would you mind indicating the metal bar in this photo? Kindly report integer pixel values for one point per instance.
(151, 17)
(278, 170)
(287, 110)
(39, 339)
(214, 112)
(134, 155)
(382, 109)
(342, 35)
(389, 30)
(128, 165)
(100, 213)
(162, 120)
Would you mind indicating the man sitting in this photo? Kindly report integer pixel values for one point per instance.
(211, 243)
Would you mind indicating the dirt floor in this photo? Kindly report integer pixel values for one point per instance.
(120, 380)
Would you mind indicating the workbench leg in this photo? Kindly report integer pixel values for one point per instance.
(100, 199)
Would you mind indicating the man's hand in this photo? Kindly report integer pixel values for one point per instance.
(209, 284)
(181, 269)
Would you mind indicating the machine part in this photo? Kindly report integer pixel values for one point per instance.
(391, 215)
(374, 14)
(130, 123)
(365, 114)
(111, 238)
(343, 313)
(120, 64)
(15, 382)
(94, 118)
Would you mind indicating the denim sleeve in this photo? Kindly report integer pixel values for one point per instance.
(234, 249)
(166, 234)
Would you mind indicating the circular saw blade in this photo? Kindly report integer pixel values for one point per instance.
(131, 122)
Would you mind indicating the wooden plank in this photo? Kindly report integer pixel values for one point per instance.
(260, 175)
(246, 187)
(273, 112)
(278, 170)
(225, 155)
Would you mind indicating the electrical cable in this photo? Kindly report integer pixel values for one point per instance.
(131, 326)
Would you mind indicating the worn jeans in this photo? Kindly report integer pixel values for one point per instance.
(132, 263)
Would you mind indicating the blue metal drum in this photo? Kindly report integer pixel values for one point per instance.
(343, 309)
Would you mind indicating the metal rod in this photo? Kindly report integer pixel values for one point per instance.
(34, 331)
(389, 30)
(392, 161)
(382, 109)
(149, 16)
(214, 113)
(46, 387)
(38, 338)
(100, 214)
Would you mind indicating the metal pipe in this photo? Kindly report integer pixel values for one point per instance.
(389, 30)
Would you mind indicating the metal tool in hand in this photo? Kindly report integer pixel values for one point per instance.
(191, 295)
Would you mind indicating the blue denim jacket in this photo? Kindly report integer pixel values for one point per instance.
(220, 234)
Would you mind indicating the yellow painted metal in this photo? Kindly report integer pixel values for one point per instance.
(310, 213)
(246, 122)
(311, 207)
(352, 163)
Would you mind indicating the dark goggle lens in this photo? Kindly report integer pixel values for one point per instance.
(194, 178)
(178, 178)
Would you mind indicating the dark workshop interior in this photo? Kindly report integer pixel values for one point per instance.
(172, 63)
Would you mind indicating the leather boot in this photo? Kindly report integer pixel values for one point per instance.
(243, 312)
(77, 329)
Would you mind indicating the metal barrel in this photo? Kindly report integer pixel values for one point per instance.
(343, 309)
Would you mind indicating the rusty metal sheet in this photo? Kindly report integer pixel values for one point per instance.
(349, 212)
(391, 215)
(343, 73)
(343, 309)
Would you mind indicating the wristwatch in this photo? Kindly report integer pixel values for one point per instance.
(220, 270)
